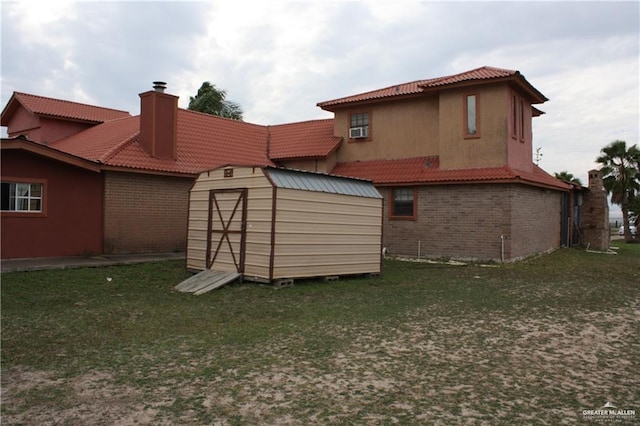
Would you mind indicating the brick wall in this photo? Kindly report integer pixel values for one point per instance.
(595, 214)
(467, 222)
(535, 221)
(145, 213)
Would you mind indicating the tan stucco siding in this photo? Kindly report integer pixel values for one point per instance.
(322, 165)
(397, 130)
(486, 150)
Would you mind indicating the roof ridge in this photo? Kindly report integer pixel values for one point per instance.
(68, 102)
(204, 114)
(119, 147)
(313, 120)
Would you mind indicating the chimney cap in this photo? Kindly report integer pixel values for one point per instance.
(159, 86)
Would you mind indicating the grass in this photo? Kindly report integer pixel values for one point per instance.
(537, 341)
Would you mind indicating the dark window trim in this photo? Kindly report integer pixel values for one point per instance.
(392, 215)
(523, 121)
(514, 116)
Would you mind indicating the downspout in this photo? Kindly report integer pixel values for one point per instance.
(502, 248)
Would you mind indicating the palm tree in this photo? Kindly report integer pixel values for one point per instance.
(567, 177)
(212, 100)
(619, 166)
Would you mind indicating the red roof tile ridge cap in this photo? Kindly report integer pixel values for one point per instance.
(313, 120)
(368, 92)
(70, 102)
(485, 67)
(108, 155)
(204, 114)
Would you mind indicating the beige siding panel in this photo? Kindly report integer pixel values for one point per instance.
(345, 249)
(326, 238)
(326, 270)
(319, 234)
(258, 215)
(316, 233)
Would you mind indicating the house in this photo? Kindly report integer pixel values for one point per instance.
(122, 184)
(452, 157)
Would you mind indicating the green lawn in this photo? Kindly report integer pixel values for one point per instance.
(538, 341)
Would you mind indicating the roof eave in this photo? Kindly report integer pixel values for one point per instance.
(351, 104)
(49, 152)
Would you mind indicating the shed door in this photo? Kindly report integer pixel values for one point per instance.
(226, 229)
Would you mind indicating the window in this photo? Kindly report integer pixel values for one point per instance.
(22, 197)
(403, 203)
(359, 126)
(514, 116)
(522, 120)
(471, 116)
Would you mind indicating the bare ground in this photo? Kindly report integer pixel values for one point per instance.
(432, 368)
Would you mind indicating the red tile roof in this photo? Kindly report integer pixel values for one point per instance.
(204, 142)
(50, 107)
(308, 139)
(426, 170)
(421, 86)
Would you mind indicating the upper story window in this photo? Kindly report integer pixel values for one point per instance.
(518, 117)
(359, 126)
(22, 197)
(514, 116)
(522, 120)
(403, 203)
(471, 116)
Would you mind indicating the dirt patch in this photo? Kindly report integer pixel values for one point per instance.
(429, 368)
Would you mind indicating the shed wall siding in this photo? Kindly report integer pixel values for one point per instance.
(314, 233)
(319, 234)
(145, 213)
(258, 235)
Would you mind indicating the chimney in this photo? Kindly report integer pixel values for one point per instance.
(159, 122)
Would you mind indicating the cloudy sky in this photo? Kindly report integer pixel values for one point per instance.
(278, 59)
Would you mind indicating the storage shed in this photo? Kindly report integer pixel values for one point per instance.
(271, 223)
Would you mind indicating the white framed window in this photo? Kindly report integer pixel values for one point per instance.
(24, 197)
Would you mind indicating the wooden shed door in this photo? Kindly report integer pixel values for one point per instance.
(227, 229)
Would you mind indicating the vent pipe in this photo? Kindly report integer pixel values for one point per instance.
(159, 86)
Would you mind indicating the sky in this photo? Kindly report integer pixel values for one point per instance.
(278, 59)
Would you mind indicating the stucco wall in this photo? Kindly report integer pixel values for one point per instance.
(489, 148)
(72, 222)
(467, 222)
(145, 213)
(397, 130)
(42, 129)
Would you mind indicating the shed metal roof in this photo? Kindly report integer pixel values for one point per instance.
(320, 182)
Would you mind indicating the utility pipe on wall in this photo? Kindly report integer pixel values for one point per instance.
(419, 249)
(502, 247)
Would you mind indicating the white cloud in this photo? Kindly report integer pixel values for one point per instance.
(278, 58)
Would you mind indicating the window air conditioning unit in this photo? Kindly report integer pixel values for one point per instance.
(358, 132)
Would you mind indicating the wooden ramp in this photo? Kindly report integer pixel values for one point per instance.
(205, 281)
